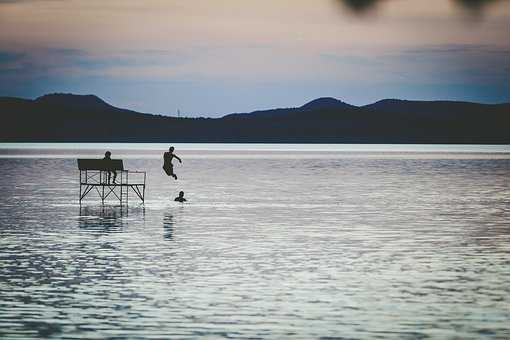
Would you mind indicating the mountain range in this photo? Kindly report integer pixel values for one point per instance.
(87, 118)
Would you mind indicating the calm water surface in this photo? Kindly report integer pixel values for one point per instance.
(275, 242)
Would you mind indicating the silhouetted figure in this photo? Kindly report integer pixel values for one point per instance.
(108, 158)
(180, 198)
(167, 165)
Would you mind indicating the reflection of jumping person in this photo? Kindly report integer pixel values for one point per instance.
(167, 165)
(108, 158)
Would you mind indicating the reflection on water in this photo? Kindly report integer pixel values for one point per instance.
(268, 247)
(168, 226)
(102, 218)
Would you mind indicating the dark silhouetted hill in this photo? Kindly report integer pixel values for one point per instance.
(76, 118)
(326, 103)
(73, 102)
(314, 105)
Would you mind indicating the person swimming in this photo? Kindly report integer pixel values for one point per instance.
(180, 198)
(167, 162)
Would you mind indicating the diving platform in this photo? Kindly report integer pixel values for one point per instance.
(108, 178)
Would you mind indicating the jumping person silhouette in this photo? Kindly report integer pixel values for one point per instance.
(108, 158)
(167, 164)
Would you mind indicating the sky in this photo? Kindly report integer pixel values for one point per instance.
(214, 57)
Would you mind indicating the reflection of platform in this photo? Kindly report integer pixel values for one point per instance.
(102, 218)
(94, 175)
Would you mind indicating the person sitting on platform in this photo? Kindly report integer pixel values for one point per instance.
(180, 198)
(108, 158)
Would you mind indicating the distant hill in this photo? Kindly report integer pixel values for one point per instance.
(326, 103)
(315, 105)
(74, 102)
(77, 118)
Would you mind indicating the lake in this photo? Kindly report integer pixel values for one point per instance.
(275, 241)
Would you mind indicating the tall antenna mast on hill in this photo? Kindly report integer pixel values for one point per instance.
(179, 113)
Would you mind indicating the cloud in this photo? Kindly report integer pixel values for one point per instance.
(7, 57)
(441, 64)
(68, 61)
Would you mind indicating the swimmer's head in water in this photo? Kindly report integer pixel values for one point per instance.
(171, 149)
(107, 154)
(181, 193)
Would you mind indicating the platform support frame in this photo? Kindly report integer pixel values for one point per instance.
(98, 180)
